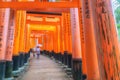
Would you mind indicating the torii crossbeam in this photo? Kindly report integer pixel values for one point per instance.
(38, 5)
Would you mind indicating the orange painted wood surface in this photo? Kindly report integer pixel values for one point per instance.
(17, 33)
(10, 37)
(5, 15)
(76, 44)
(107, 40)
(2, 16)
(38, 5)
(22, 34)
(80, 11)
(90, 43)
(67, 32)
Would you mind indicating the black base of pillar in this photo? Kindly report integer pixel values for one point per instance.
(58, 56)
(48, 54)
(26, 56)
(77, 69)
(41, 52)
(21, 59)
(45, 52)
(16, 62)
(52, 53)
(69, 61)
(62, 56)
(2, 70)
(84, 77)
(8, 69)
(65, 58)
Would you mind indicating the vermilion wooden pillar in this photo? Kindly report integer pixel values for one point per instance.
(58, 37)
(48, 41)
(42, 41)
(67, 39)
(107, 39)
(22, 41)
(27, 41)
(51, 41)
(25, 37)
(62, 45)
(27, 48)
(65, 31)
(9, 47)
(76, 45)
(45, 41)
(55, 41)
(62, 34)
(90, 43)
(5, 14)
(68, 33)
(59, 42)
(84, 66)
(16, 43)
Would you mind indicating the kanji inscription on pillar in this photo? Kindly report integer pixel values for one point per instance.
(2, 12)
(10, 38)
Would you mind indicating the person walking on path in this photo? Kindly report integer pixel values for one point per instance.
(38, 52)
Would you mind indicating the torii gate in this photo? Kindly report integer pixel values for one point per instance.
(94, 36)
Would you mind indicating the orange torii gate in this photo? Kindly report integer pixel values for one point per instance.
(94, 43)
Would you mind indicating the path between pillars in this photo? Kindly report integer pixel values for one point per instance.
(44, 69)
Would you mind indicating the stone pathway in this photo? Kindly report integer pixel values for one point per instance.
(44, 69)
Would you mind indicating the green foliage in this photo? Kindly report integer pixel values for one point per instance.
(118, 28)
(118, 25)
(118, 0)
(117, 14)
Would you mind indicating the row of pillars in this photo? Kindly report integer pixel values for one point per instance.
(95, 46)
(14, 53)
(95, 31)
(98, 40)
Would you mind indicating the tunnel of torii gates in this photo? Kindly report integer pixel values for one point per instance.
(80, 33)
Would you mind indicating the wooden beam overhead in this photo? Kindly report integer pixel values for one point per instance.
(55, 10)
(38, 13)
(42, 23)
(38, 5)
(43, 15)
